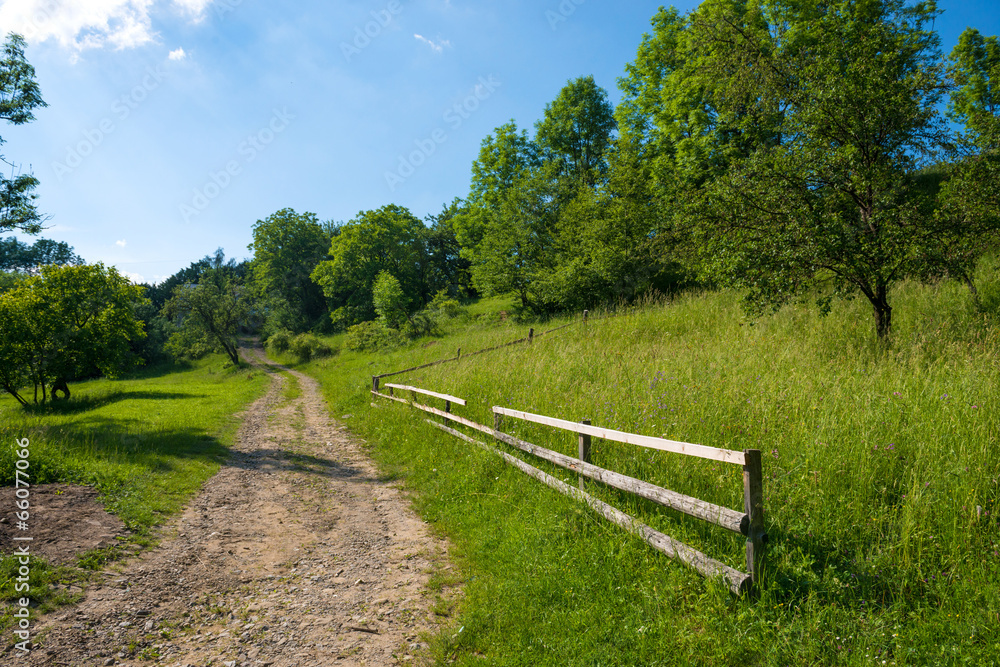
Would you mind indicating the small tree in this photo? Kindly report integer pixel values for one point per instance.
(64, 322)
(390, 301)
(208, 316)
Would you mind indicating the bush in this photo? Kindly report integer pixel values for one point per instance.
(307, 346)
(372, 336)
(279, 341)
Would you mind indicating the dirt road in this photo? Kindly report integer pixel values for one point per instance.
(295, 553)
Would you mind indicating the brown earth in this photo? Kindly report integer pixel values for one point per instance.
(66, 520)
(295, 553)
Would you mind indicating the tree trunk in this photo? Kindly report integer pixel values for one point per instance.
(13, 392)
(883, 312)
(972, 289)
(233, 353)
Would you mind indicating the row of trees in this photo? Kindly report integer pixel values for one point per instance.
(782, 147)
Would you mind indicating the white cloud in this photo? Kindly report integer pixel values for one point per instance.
(120, 243)
(94, 24)
(177, 54)
(134, 277)
(437, 47)
(193, 8)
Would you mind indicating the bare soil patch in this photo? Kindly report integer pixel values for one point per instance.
(66, 521)
(295, 553)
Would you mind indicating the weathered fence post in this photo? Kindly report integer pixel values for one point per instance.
(459, 355)
(585, 313)
(390, 392)
(497, 421)
(375, 383)
(583, 449)
(531, 335)
(753, 502)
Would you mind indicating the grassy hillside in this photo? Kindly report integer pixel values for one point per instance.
(880, 470)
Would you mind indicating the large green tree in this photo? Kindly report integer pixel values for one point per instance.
(388, 239)
(576, 131)
(19, 97)
(507, 232)
(287, 247)
(64, 322)
(793, 132)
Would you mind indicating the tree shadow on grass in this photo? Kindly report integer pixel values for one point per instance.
(76, 405)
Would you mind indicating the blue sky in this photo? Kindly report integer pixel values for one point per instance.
(173, 125)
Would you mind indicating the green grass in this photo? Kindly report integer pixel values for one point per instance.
(146, 443)
(876, 459)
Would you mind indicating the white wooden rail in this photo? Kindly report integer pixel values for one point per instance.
(749, 524)
(713, 453)
(444, 397)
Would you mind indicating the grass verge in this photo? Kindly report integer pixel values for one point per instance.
(881, 485)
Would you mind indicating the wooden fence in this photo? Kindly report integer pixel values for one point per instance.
(458, 356)
(750, 523)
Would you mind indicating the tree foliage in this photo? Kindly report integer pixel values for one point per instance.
(576, 131)
(208, 315)
(287, 247)
(790, 135)
(969, 198)
(388, 239)
(65, 322)
(389, 300)
(18, 256)
(19, 97)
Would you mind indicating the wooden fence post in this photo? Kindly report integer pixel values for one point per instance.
(753, 502)
(375, 383)
(459, 355)
(497, 421)
(531, 335)
(390, 392)
(583, 449)
(585, 316)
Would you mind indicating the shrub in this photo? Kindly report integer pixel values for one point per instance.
(279, 341)
(307, 346)
(372, 336)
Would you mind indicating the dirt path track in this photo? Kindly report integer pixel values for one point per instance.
(293, 554)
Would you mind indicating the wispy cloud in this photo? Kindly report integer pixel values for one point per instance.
(121, 243)
(177, 54)
(195, 9)
(95, 24)
(437, 46)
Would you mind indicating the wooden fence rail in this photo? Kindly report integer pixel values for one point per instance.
(528, 339)
(749, 524)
